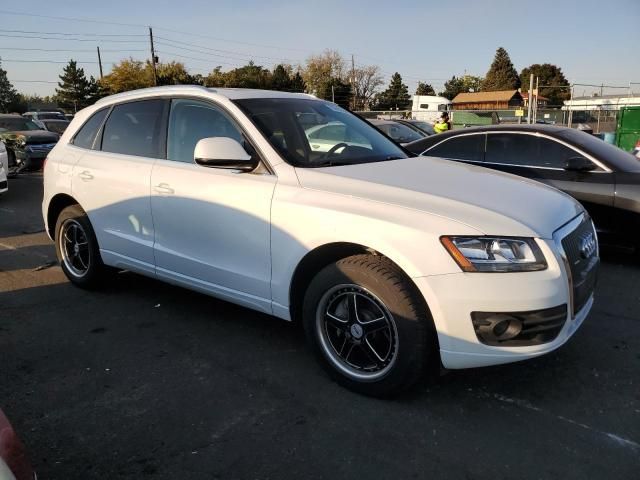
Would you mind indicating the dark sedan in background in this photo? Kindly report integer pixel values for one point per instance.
(398, 132)
(604, 178)
(27, 143)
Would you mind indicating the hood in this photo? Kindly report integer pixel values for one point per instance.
(31, 136)
(492, 202)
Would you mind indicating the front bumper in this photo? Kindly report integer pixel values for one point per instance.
(452, 299)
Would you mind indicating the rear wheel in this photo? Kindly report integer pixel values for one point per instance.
(77, 248)
(369, 326)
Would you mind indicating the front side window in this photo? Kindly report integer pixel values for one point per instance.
(135, 128)
(87, 134)
(425, 106)
(190, 121)
(313, 133)
(464, 147)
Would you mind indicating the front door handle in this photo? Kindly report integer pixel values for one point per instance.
(86, 175)
(164, 188)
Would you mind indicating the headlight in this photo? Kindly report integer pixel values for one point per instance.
(495, 254)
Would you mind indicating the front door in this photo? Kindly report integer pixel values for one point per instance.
(212, 226)
(543, 159)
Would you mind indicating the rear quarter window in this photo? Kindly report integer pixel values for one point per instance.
(87, 133)
(135, 128)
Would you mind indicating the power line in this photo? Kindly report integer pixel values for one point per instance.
(210, 62)
(65, 50)
(48, 61)
(71, 19)
(32, 81)
(38, 37)
(76, 34)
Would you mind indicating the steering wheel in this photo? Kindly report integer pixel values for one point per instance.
(333, 149)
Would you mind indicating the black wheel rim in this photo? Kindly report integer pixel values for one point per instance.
(74, 248)
(357, 332)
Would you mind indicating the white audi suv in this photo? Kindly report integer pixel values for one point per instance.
(394, 264)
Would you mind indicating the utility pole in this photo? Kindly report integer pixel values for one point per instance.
(154, 59)
(353, 81)
(100, 63)
(333, 95)
(530, 97)
(535, 106)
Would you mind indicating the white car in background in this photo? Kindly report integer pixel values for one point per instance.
(394, 265)
(4, 168)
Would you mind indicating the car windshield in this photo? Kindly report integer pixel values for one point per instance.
(399, 132)
(17, 124)
(424, 126)
(50, 116)
(312, 133)
(56, 126)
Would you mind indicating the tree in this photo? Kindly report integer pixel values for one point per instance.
(547, 74)
(249, 76)
(425, 89)
(215, 79)
(467, 83)
(297, 83)
(321, 69)
(128, 75)
(175, 73)
(396, 96)
(280, 79)
(8, 94)
(501, 75)
(336, 91)
(366, 81)
(74, 91)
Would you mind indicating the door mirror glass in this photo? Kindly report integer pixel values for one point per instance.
(579, 164)
(223, 152)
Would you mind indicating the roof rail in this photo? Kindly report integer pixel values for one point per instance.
(167, 88)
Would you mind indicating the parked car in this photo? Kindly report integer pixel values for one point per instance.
(420, 125)
(26, 143)
(398, 132)
(44, 115)
(602, 177)
(14, 464)
(55, 126)
(394, 265)
(324, 136)
(4, 168)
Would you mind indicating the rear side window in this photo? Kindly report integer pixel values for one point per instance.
(87, 134)
(135, 128)
(465, 147)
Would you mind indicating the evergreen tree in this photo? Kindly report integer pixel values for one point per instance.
(396, 96)
(280, 79)
(425, 89)
(297, 83)
(340, 93)
(502, 75)
(8, 94)
(74, 92)
(547, 75)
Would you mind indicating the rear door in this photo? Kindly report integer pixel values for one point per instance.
(111, 182)
(543, 159)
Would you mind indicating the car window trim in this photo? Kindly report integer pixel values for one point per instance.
(604, 168)
(261, 156)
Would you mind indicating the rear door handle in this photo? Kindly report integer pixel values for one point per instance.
(86, 175)
(164, 188)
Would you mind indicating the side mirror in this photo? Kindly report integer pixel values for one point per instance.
(223, 152)
(579, 164)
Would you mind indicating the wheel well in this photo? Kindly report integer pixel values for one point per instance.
(312, 263)
(56, 205)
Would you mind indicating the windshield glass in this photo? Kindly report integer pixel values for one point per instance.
(424, 126)
(50, 116)
(56, 126)
(312, 133)
(399, 132)
(17, 124)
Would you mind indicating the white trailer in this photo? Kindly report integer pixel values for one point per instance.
(428, 108)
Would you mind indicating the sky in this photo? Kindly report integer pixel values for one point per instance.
(593, 42)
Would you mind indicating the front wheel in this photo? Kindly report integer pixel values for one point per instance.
(77, 248)
(369, 326)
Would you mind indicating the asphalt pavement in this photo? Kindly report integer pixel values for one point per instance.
(147, 380)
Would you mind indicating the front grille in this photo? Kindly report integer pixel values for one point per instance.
(583, 262)
(519, 329)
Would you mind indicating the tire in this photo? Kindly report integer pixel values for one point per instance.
(82, 265)
(392, 342)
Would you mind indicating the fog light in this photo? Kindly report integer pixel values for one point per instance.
(507, 328)
(498, 327)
